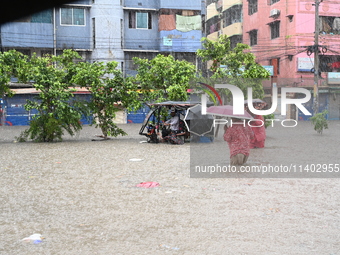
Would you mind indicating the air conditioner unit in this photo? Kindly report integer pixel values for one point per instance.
(274, 12)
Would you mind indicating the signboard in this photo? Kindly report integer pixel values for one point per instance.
(167, 41)
(270, 69)
(305, 64)
(333, 78)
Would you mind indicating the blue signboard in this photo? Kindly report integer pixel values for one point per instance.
(270, 69)
(333, 77)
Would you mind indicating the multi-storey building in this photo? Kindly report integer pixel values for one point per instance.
(103, 30)
(107, 31)
(224, 17)
(46, 32)
(162, 27)
(50, 31)
(282, 33)
(111, 30)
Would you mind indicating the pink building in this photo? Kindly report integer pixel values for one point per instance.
(280, 32)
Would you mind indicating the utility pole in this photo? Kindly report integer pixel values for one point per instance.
(316, 57)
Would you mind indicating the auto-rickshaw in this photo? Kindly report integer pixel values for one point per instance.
(153, 124)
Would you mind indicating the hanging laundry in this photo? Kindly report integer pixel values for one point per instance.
(188, 23)
(336, 24)
(212, 28)
(166, 22)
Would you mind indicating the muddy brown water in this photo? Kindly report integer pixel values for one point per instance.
(82, 197)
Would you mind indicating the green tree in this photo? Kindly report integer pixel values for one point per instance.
(239, 65)
(164, 78)
(319, 121)
(12, 64)
(56, 113)
(110, 92)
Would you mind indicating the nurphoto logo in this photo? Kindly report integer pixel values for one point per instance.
(238, 99)
(238, 104)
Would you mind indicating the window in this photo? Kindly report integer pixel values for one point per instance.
(234, 40)
(25, 52)
(42, 17)
(274, 29)
(253, 37)
(208, 2)
(72, 16)
(44, 53)
(213, 25)
(39, 17)
(232, 15)
(329, 24)
(275, 62)
(252, 6)
(94, 33)
(326, 62)
(274, 1)
(130, 64)
(140, 20)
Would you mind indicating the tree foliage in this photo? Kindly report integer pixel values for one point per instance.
(56, 113)
(55, 78)
(235, 65)
(12, 64)
(319, 121)
(110, 92)
(164, 78)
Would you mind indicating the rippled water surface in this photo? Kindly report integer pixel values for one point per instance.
(81, 195)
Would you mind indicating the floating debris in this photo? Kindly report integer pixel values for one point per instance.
(35, 238)
(148, 184)
(135, 159)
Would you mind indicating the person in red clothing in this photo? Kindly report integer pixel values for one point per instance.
(238, 137)
(259, 129)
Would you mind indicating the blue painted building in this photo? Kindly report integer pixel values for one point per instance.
(50, 31)
(154, 27)
(73, 28)
(109, 30)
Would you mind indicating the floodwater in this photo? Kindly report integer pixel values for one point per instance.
(81, 195)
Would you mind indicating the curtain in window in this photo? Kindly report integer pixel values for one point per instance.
(132, 20)
(336, 24)
(212, 28)
(325, 25)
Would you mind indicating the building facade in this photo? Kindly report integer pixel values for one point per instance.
(225, 17)
(107, 32)
(104, 30)
(162, 27)
(281, 34)
(51, 31)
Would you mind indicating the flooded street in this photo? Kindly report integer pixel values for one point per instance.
(82, 197)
